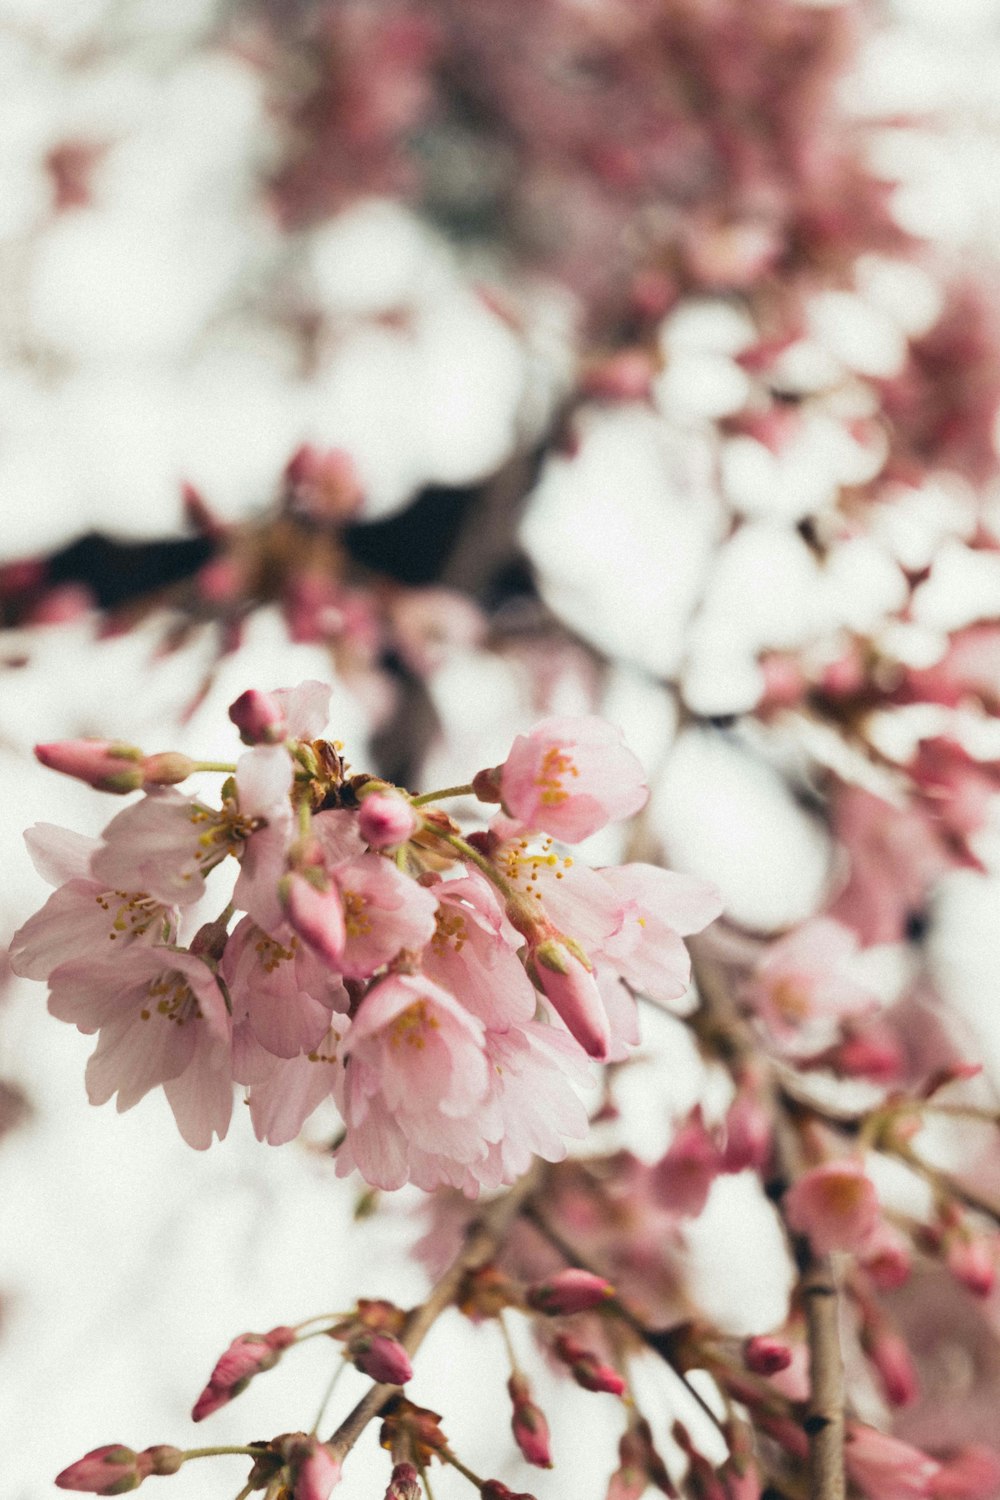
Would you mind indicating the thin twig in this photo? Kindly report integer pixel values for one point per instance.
(825, 1420)
(482, 1240)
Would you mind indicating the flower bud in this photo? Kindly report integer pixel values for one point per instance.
(259, 717)
(765, 1355)
(103, 764)
(973, 1473)
(316, 1473)
(247, 1356)
(586, 1368)
(747, 1134)
(323, 483)
(494, 1490)
(486, 784)
(572, 989)
(971, 1259)
(569, 1291)
(893, 1364)
(682, 1178)
(404, 1484)
(528, 1424)
(386, 819)
(382, 1357)
(163, 1459)
(316, 915)
(112, 1470)
(887, 1258)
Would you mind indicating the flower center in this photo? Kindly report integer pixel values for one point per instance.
(133, 913)
(356, 919)
(171, 996)
(449, 931)
(272, 953)
(556, 765)
(411, 1026)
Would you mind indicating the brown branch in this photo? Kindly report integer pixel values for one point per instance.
(482, 1240)
(723, 1030)
(825, 1420)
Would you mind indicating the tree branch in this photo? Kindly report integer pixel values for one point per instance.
(482, 1240)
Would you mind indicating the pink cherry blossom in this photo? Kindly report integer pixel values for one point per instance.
(806, 975)
(102, 764)
(280, 988)
(163, 845)
(886, 1468)
(571, 987)
(284, 1092)
(569, 777)
(259, 717)
(835, 1205)
(162, 1020)
(110, 1470)
(658, 908)
(416, 1078)
(384, 912)
(82, 918)
(469, 956)
(682, 1179)
(569, 1291)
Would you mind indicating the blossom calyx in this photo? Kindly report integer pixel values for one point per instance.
(569, 1291)
(404, 1484)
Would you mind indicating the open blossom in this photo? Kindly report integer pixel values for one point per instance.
(280, 987)
(807, 976)
(162, 1019)
(886, 1468)
(284, 1092)
(82, 918)
(657, 909)
(569, 777)
(835, 1205)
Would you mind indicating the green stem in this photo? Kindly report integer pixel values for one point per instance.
(482, 863)
(515, 1368)
(253, 1451)
(445, 791)
(465, 1472)
(329, 1392)
(425, 1481)
(215, 765)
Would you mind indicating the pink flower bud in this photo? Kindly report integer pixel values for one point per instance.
(971, 1259)
(573, 991)
(886, 1468)
(887, 1258)
(382, 1357)
(765, 1355)
(835, 1205)
(569, 1291)
(102, 764)
(316, 915)
(386, 819)
(404, 1484)
(494, 1490)
(528, 1424)
(259, 717)
(247, 1356)
(747, 1135)
(892, 1361)
(112, 1470)
(317, 1473)
(323, 483)
(586, 1368)
(682, 1179)
(163, 1459)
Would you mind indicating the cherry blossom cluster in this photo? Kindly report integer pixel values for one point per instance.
(446, 992)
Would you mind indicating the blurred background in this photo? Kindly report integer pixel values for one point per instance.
(487, 358)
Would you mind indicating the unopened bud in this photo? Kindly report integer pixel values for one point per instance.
(971, 1259)
(317, 1470)
(249, 1355)
(528, 1424)
(893, 1364)
(259, 717)
(386, 819)
(112, 1470)
(765, 1355)
(494, 1490)
(569, 1291)
(103, 764)
(382, 1357)
(887, 1258)
(571, 987)
(586, 1369)
(164, 1459)
(486, 784)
